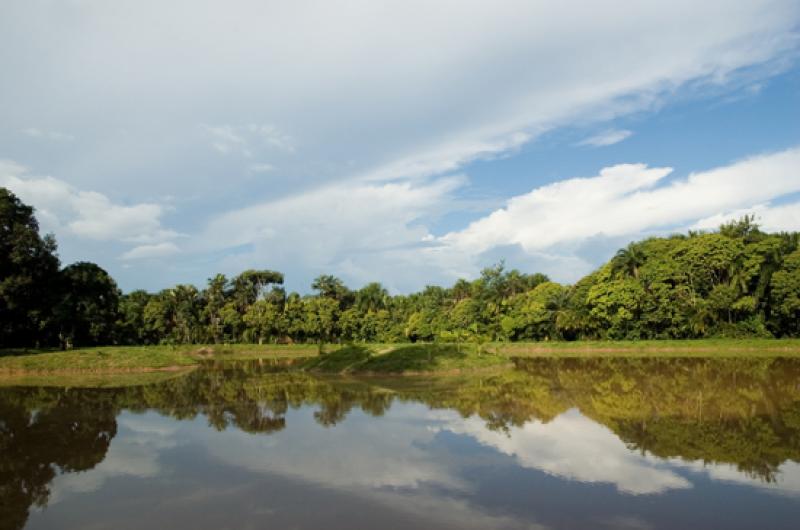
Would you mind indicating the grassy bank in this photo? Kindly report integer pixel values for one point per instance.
(106, 359)
(122, 359)
(372, 358)
(91, 379)
(652, 348)
(405, 359)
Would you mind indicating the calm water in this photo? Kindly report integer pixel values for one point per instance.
(552, 444)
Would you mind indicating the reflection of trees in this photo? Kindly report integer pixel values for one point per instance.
(42, 433)
(744, 412)
(740, 411)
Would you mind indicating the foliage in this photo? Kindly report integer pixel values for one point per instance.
(736, 282)
(28, 275)
(88, 305)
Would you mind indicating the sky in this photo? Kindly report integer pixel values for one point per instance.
(408, 142)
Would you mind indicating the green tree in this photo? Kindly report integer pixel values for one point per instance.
(785, 296)
(330, 287)
(252, 285)
(628, 260)
(322, 314)
(215, 296)
(88, 308)
(28, 276)
(263, 320)
(130, 326)
(371, 297)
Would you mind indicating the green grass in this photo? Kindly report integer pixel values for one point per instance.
(245, 352)
(121, 359)
(405, 359)
(100, 359)
(374, 358)
(652, 348)
(346, 359)
(91, 380)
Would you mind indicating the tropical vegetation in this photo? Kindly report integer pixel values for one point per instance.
(735, 282)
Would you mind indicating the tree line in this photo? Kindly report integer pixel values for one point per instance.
(737, 281)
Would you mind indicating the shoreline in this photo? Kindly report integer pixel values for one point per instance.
(418, 358)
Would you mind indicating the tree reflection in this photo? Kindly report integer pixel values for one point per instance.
(43, 433)
(744, 412)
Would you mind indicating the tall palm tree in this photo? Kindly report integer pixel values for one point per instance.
(371, 297)
(626, 261)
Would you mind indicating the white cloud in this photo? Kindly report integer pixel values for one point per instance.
(782, 218)
(608, 137)
(365, 93)
(272, 137)
(574, 447)
(261, 168)
(353, 460)
(225, 139)
(628, 200)
(61, 208)
(34, 132)
(359, 229)
(787, 478)
(134, 453)
(367, 230)
(249, 139)
(445, 158)
(425, 96)
(159, 250)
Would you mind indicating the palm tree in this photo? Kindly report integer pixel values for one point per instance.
(371, 297)
(738, 276)
(626, 261)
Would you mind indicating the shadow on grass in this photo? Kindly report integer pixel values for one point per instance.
(412, 358)
(344, 359)
(415, 358)
(16, 352)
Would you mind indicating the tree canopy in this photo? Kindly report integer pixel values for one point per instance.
(734, 282)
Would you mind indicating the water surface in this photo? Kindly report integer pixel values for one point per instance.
(616, 443)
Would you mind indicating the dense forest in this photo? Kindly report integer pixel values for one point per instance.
(734, 282)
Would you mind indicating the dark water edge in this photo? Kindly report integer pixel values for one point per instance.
(554, 443)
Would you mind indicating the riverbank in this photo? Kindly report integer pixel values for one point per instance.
(405, 359)
(121, 359)
(369, 358)
(652, 348)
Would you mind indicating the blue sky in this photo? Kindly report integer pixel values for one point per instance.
(406, 142)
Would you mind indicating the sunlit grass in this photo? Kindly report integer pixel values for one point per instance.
(91, 379)
(405, 359)
(383, 358)
(652, 348)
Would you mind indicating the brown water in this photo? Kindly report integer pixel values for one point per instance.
(552, 444)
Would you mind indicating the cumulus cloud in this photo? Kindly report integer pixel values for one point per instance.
(574, 447)
(134, 453)
(778, 218)
(367, 95)
(159, 250)
(62, 208)
(353, 459)
(358, 229)
(609, 137)
(630, 199)
(787, 478)
(365, 229)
